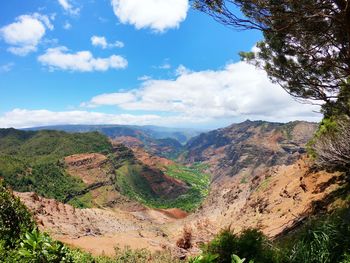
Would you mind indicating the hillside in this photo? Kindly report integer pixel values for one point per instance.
(86, 170)
(249, 146)
(261, 178)
(32, 161)
(162, 141)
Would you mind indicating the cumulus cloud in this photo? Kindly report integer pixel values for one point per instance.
(237, 91)
(159, 15)
(68, 7)
(60, 58)
(98, 41)
(22, 118)
(25, 33)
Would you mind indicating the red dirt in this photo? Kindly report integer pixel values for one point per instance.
(88, 167)
(174, 213)
(272, 201)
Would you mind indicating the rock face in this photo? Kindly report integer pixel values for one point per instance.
(261, 178)
(275, 201)
(249, 146)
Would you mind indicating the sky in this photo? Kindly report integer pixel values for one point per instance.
(156, 62)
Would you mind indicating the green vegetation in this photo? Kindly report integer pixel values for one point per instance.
(14, 218)
(325, 239)
(135, 186)
(327, 126)
(43, 146)
(196, 179)
(33, 161)
(322, 240)
(84, 201)
(250, 244)
(330, 146)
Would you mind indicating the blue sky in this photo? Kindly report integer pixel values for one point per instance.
(130, 62)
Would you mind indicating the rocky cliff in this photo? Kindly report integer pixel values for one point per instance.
(249, 146)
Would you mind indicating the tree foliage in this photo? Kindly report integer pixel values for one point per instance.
(306, 46)
(15, 219)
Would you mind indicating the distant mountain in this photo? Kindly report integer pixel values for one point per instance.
(249, 145)
(140, 132)
(162, 141)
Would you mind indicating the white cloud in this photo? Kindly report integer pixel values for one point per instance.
(83, 61)
(25, 33)
(119, 44)
(6, 67)
(158, 15)
(98, 41)
(67, 25)
(68, 7)
(22, 118)
(237, 91)
(165, 66)
(113, 99)
(144, 77)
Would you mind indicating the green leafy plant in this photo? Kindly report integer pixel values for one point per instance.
(237, 259)
(39, 247)
(208, 258)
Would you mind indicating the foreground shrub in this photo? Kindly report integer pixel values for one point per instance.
(15, 219)
(78, 256)
(251, 244)
(346, 258)
(323, 240)
(128, 255)
(331, 145)
(39, 247)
